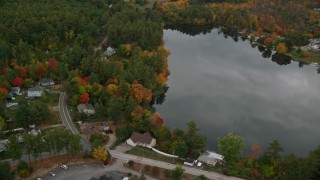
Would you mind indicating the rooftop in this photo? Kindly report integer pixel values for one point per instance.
(144, 138)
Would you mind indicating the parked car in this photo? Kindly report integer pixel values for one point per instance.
(52, 174)
(110, 131)
(64, 166)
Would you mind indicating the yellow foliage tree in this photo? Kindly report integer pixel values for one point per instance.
(112, 88)
(281, 48)
(100, 154)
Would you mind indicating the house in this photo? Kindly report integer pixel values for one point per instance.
(109, 51)
(46, 82)
(189, 162)
(211, 158)
(88, 109)
(3, 144)
(34, 132)
(15, 90)
(144, 139)
(35, 92)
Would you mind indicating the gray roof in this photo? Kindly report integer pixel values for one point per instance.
(36, 88)
(210, 157)
(85, 106)
(3, 144)
(15, 90)
(46, 80)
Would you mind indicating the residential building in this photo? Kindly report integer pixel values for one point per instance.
(15, 90)
(144, 139)
(88, 109)
(46, 82)
(211, 158)
(35, 91)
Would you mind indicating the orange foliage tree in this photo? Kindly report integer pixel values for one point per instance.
(281, 48)
(3, 93)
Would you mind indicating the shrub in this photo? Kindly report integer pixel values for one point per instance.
(130, 163)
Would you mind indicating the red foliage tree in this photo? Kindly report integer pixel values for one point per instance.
(256, 149)
(84, 98)
(18, 81)
(41, 70)
(52, 65)
(23, 71)
(160, 121)
(86, 79)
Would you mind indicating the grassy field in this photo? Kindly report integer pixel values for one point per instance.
(148, 153)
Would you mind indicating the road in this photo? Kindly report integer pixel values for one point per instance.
(165, 165)
(67, 120)
(64, 114)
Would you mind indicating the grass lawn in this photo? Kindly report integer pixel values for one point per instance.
(53, 98)
(148, 153)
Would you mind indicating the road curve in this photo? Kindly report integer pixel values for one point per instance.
(165, 165)
(67, 120)
(64, 114)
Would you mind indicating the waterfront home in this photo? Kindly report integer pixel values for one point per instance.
(145, 140)
(211, 158)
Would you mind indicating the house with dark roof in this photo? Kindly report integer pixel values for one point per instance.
(144, 139)
(35, 91)
(46, 82)
(88, 109)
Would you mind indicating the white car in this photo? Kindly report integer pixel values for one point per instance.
(64, 166)
(52, 174)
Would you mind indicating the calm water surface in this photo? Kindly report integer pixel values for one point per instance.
(227, 86)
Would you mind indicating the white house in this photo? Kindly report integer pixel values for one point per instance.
(211, 158)
(46, 82)
(35, 91)
(144, 139)
(88, 109)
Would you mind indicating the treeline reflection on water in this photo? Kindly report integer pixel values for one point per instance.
(280, 59)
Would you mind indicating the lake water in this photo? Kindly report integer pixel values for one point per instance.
(227, 86)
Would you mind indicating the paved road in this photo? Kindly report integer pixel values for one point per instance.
(67, 120)
(64, 114)
(165, 165)
(87, 171)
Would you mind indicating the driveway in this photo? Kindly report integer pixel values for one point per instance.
(124, 147)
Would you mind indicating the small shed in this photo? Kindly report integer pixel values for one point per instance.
(35, 92)
(144, 139)
(88, 109)
(189, 162)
